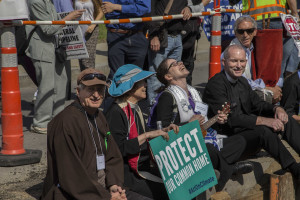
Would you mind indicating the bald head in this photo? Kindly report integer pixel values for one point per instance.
(234, 61)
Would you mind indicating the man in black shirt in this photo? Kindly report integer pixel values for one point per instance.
(165, 37)
(254, 122)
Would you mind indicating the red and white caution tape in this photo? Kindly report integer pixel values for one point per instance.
(113, 21)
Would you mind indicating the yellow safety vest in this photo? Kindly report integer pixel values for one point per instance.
(258, 8)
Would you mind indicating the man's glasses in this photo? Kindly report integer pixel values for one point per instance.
(242, 31)
(174, 64)
(88, 77)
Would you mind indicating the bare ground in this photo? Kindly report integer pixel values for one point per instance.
(30, 189)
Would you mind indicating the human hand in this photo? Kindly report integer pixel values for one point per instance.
(173, 127)
(277, 93)
(91, 28)
(108, 7)
(275, 124)
(295, 15)
(281, 115)
(155, 44)
(156, 133)
(75, 14)
(222, 118)
(117, 193)
(186, 13)
(200, 118)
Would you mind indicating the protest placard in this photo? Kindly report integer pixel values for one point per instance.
(184, 163)
(72, 40)
(291, 25)
(227, 19)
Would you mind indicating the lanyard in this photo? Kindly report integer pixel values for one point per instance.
(91, 132)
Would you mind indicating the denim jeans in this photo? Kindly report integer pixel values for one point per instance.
(293, 60)
(126, 49)
(174, 51)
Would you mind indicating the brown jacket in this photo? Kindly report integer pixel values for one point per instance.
(71, 157)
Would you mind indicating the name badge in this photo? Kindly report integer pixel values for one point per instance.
(201, 108)
(100, 162)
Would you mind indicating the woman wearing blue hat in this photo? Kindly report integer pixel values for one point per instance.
(130, 132)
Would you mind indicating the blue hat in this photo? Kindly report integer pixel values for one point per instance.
(125, 77)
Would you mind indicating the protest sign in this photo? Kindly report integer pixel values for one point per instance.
(184, 163)
(13, 9)
(227, 19)
(72, 40)
(291, 25)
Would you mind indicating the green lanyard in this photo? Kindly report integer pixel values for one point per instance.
(105, 139)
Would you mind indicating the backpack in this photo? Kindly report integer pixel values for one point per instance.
(152, 120)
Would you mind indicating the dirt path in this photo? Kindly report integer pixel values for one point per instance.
(29, 189)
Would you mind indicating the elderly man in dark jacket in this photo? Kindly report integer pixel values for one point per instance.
(83, 159)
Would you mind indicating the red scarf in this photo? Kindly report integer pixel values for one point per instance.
(133, 133)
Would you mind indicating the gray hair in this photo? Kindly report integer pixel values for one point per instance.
(234, 46)
(244, 18)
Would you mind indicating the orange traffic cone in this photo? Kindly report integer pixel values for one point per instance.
(12, 152)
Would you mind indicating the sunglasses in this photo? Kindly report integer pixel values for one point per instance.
(242, 31)
(88, 77)
(174, 64)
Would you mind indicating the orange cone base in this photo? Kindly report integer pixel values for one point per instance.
(29, 157)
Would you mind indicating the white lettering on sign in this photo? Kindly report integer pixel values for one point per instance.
(185, 157)
(184, 174)
(170, 185)
(167, 158)
(173, 145)
(200, 162)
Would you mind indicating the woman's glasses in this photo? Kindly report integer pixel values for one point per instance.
(174, 64)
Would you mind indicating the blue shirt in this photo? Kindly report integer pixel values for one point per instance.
(130, 9)
(63, 5)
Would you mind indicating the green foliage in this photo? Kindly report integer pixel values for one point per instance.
(102, 33)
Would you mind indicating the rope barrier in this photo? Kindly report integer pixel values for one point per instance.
(118, 21)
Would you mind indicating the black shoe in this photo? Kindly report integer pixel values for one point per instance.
(295, 170)
(242, 168)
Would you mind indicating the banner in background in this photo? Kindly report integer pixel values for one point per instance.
(184, 163)
(228, 19)
(291, 25)
(72, 39)
(13, 9)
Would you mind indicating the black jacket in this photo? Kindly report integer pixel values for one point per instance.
(219, 90)
(291, 94)
(157, 9)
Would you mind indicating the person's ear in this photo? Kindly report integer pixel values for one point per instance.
(254, 33)
(77, 91)
(168, 77)
(223, 62)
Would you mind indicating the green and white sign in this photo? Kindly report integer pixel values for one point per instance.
(184, 163)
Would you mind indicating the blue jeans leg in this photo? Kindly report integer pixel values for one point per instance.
(126, 49)
(174, 50)
(293, 61)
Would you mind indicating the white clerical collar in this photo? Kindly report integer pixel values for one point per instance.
(231, 80)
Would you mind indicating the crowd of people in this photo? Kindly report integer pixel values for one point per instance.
(105, 155)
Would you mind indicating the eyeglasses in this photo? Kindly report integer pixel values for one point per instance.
(174, 64)
(249, 31)
(88, 77)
